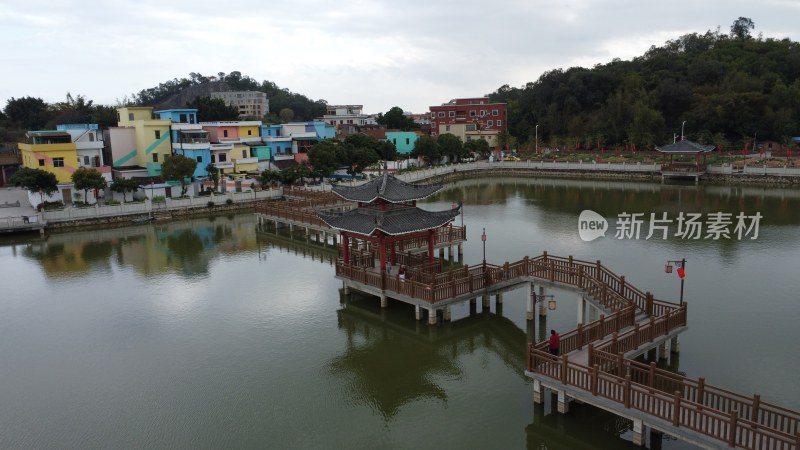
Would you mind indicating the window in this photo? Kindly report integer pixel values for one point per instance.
(130, 116)
(213, 159)
(441, 113)
(249, 132)
(490, 123)
(155, 157)
(494, 112)
(447, 128)
(85, 160)
(244, 153)
(91, 137)
(224, 133)
(41, 163)
(158, 134)
(472, 114)
(470, 127)
(199, 159)
(394, 141)
(223, 157)
(58, 162)
(408, 141)
(483, 113)
(433, 115)
(499, 122)
(451, 114)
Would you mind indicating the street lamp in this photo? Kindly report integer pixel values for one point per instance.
(681, 272)
(483, 238)
(537, 139)
(684, 123)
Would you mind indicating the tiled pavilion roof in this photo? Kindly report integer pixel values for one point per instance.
(685, 146)
(388, 188)
(394, 221)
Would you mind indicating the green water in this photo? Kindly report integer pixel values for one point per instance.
(209, 333)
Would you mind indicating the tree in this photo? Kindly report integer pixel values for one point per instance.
(396, 119)
(28, 112)
(741, 28)
(286, 115)
(213, 172)
(477, 146)
(213, 109)
(426, 147)
(322, 157)
(104, 116)
(35, 180)
(269, 177)
(125, 185)
(451, 146)
(178, 167)
(356, 159)
(86, 178)
(72, 110)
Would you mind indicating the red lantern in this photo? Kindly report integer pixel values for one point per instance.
(681, 273)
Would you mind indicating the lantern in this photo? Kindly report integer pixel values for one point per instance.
(551, 305)
(668, 268)
(681, 273)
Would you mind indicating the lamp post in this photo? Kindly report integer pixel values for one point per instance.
(681, 272)
(537, 140)
(684, 123)
(483, 238)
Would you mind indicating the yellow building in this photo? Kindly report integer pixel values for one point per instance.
(242, 161)
(52, 151)
(151, 136)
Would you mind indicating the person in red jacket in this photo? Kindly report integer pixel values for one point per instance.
(554, 342)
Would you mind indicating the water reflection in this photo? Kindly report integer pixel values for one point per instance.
(185, 247)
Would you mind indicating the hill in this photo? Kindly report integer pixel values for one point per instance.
(729, 89)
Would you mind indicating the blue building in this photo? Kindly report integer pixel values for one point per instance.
(188, 137)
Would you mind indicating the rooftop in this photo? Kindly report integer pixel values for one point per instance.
(685, 146)
(387, 188)
(394, 221)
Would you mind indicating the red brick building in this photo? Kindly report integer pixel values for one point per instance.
(474, 114)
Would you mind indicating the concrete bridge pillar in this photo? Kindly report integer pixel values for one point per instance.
(675, 345)
(460, 253)
(432, 319)
(418, 312)
(485, 302)
(638, 433)
(542, 306)
(662, 350)
(447, 314)
(530, 290)
(346, 288)
(563, 402)
(498, 299)
(473, 308)
(384, 301)
(581, 309)
(537, 392)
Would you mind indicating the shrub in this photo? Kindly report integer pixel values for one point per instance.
(210, 204)
(229, 201)
(112, 202)
(159, 199)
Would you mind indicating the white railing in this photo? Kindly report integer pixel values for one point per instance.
(130, 209)
(585, 166)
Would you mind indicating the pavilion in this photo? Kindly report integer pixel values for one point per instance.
(679, 169)
(387, 215)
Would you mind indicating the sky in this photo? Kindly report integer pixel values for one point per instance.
(380, 54)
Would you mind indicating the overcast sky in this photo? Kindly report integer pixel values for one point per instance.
(378, 53)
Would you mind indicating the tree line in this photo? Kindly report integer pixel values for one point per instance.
(729, 89)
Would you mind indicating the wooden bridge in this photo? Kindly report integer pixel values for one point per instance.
(595, 365)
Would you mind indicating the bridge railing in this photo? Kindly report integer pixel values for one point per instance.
(643, 333)
(586, 334)
(731, 427)
(697, 391)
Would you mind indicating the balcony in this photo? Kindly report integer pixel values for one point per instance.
(252, 160)
(221, 147)
(283, 156)
(223, 165)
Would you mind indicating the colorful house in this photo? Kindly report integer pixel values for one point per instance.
(88, 145)
(52, 151)
(404, 141)
(151, 140)
(188, 137)
(231, 142)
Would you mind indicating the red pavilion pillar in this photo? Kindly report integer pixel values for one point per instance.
(346, 248)
(382, 253)
(430, 246)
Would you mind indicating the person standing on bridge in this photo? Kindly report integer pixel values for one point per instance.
(554, 342)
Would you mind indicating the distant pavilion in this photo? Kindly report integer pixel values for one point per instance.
(683, 169)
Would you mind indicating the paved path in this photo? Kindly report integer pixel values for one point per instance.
(13, 195)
